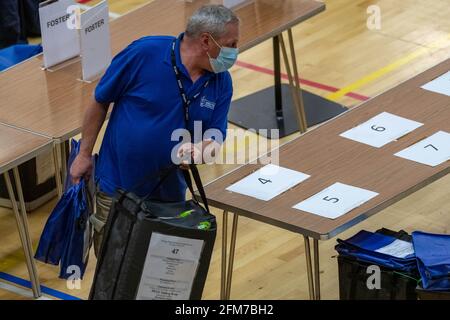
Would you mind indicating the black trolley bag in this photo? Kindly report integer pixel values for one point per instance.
(129, 265)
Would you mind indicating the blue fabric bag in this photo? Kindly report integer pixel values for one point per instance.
(17, 53)
(73, 258)
(54, 237)
(364, 245)
(74, 150)
(433, 260)
(66, 238)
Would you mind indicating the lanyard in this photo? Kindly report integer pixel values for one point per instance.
(186, 100)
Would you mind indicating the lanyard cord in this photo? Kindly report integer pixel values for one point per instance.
(186, 100)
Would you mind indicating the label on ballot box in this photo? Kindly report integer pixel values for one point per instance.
(268, 182)
(59, 42)
(439, 85)
(95, 41)
(381, 129)
(431, 151)
(335, 200)
(170, 267)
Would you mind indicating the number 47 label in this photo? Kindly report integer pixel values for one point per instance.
(431, 151)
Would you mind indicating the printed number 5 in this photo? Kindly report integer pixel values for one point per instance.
(334, 200)
(378, 129)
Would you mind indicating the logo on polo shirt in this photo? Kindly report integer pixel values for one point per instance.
(205, 103)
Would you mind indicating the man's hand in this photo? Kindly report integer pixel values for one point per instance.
(81, 168)
(189, 153)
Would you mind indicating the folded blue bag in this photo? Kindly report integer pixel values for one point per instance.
(433, 260)
(17, 53)
(394, 253)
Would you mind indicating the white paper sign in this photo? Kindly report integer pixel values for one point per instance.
(381, 129)
(439, 85)
(335, 200)
(268, 182)
(398, 249)
(431, 151)
(170, 268)
(95, 41)
(59, 42)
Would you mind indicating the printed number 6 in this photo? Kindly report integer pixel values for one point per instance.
(378, 129)
(334, 200)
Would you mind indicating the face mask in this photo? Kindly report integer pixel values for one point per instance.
(225, 60)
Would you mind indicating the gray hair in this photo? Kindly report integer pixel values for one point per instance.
(211, 19)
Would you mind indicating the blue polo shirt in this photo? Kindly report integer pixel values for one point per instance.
(147, 109)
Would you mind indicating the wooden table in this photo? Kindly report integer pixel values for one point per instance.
(53, 103)
(17, 147)
(329, 158)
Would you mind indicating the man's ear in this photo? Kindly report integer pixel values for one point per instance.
(205, 41)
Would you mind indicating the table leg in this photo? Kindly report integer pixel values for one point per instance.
(58, 180)
(294, 92)
(62, 147)
(316, 269)
(309, 268)
(22, 226)
(224, 255)
(277, 79)
(231, 257)
(298, 91)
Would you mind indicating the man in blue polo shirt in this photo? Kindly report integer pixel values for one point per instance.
(158, 84)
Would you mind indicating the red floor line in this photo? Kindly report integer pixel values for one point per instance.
(302, 81)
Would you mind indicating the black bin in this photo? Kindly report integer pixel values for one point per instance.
(423, 294)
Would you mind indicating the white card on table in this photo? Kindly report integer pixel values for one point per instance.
(381, 129)
(439, 85)
(95, 41)
(59, 40)
(335, 200)
(268, 182)
(431, 151)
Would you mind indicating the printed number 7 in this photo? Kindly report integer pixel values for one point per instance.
(430, 145)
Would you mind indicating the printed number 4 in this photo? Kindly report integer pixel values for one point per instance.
(334, 200)
(430, 145)
(264, 181)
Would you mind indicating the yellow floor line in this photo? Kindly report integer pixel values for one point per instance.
(439, 44)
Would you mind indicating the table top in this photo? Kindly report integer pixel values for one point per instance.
(329, 158)
(18, 146)
(53, 103)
